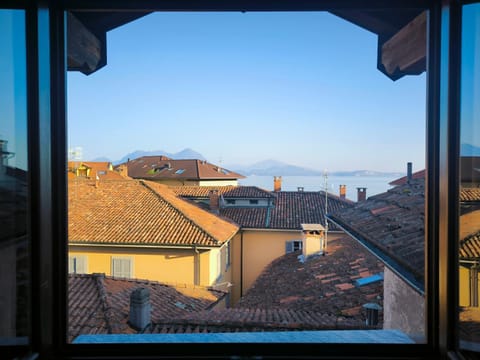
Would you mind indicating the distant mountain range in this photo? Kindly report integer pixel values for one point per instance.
(469, 150)
(262, 168)
(184, 154)
(274, 167)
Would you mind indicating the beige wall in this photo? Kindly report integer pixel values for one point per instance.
(164, 265)
(403, 307)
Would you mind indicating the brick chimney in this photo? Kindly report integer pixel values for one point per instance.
(214, 201)
(361, 194)
(140, 308)
(343, 191)
(277, 183)
(409, 172)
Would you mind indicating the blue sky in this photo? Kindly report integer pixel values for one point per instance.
(302, 88)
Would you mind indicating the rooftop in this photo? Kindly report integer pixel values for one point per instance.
(391, 224)
(322, 284)
(291, 210)
(142, 213)
(225, 191)
(100, 305)
(161, 167)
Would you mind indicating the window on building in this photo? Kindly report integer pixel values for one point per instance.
(122, 267)
(291, 246)
(253, 202)
(77, 264)
(230, 201)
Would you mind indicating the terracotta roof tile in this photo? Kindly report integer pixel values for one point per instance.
(290, 210)
(393, 222)
(470, 194)
(100, 305)
(160, 167)
(470, 247)
(255, 319)
(322, 284)
(140, 212)
(225, 191)
(403, 180)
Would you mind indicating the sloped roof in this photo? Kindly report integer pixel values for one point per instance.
(255, 319)
(470, 194)
(403, 180)
(159, 167)
(291, 210)
(392, 225)
(469, 248)
(142, 213)
(226, 191)
(100, 305)
(325, 284)
(101, 169)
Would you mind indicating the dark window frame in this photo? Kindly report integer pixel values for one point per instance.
(47, 156)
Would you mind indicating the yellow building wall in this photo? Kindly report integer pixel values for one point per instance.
(176, 266)
(464, 286)
(257, 249)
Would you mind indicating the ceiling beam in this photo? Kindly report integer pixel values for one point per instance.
(405, 52)
(84, 49)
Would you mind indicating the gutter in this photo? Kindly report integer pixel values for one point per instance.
(186, 247)
(389, 262)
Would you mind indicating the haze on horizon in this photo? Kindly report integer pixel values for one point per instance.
(301, 88)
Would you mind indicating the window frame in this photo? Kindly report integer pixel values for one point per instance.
(47, 158)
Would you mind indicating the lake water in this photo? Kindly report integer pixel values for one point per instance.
(374, 184)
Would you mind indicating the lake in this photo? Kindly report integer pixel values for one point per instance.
(374, 184)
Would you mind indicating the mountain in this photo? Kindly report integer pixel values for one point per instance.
(184, 154)
(101, 159)
(365, 173)
(469, 150)
(274, 167)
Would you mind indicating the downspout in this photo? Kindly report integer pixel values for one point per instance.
(196, 265)
(241, 263)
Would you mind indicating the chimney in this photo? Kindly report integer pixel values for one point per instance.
(372, 310)
(123, 170)
(277, 183)
(300, 189)
(409, 172)
(343, 191)
(214, 200)
(140, 308)
(361, 194)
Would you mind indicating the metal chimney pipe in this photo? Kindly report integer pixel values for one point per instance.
(409, 172)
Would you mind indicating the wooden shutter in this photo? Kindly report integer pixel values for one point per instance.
(288, 247)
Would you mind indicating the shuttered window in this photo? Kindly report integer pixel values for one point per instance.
(122, 267)
(77, 264)
(294, 245)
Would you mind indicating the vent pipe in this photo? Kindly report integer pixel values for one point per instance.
(409, 172)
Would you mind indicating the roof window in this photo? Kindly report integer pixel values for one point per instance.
(180, 171)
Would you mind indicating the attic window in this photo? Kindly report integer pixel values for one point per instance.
(180, 171)
(230, 201)
(102, 172)
(253, 202)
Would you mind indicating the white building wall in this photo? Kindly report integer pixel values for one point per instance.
(403, 307)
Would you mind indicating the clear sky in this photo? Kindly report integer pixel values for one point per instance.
(302, 88)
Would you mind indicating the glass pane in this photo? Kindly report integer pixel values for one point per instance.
(14, 235)
(261, 103)
(469, 237)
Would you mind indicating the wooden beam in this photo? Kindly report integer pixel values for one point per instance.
(84, 49)
(405, 52)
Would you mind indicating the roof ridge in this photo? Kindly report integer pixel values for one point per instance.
(181, 212)
(103, 299)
